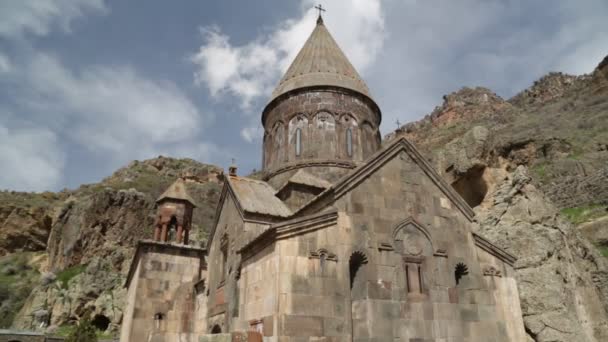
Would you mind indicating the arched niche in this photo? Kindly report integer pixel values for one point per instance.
(276, 153)
(323, 137)
(411, 239)
(349, 138)
(369, 139)
(415, 245)
(297, 137)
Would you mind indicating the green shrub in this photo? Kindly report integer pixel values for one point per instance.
(66, 275)
(583, 213)
(84, 332)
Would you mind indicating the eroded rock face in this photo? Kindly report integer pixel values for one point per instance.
(557, 270)
(91, 234)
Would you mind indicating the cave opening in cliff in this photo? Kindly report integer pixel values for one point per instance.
(472, 187)
(101, 322)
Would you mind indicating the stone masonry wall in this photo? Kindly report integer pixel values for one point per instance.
(162, 295)
(323, 118)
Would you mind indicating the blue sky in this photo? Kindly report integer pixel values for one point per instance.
(86, 86)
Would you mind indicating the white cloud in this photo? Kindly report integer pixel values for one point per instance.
(252, 132)
(31, 159)
(250, 71)
(39, 17)
(110, 109)
(5, 64)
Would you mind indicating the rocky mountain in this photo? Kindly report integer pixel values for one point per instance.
(534, 168)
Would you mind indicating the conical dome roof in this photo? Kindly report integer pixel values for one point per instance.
(321, 62)
(177, 191)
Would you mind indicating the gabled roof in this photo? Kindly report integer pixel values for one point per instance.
(321, 62)
(257, 197)
(375, 162)
(305, 178)
(177, 191)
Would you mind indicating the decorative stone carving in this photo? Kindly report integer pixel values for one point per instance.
(492, 271)
(323, 252)
(385, 246)
(411, 239)
(441, 253)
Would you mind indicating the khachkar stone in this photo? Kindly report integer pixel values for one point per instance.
(321, 115)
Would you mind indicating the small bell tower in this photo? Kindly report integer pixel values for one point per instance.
(174, 214)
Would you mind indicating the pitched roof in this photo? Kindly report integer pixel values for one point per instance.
(305, 178)
(257, 197)
(178, 191)
(321, 62)
(374, 162)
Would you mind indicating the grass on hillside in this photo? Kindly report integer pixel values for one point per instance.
(584, 213)
(66, 275)
(17, 280)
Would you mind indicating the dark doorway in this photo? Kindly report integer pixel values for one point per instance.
(216, 329)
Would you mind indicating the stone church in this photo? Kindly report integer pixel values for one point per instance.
(344, 239)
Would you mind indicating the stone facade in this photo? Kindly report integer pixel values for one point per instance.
(161, 297)
(343, 241)
(331, 127)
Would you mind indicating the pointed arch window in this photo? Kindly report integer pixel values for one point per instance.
(349, 142)
(298, 142)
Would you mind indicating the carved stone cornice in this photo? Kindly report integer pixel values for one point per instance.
(288, 229)
(494, 250)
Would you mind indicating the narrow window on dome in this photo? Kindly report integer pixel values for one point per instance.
(349, 142)
(298, 142)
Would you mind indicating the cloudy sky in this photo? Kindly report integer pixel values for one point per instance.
(88, 85)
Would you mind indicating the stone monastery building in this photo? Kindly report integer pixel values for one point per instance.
(344, 240)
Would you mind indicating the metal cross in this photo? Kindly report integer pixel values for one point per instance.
(320, 8)
(398, 124)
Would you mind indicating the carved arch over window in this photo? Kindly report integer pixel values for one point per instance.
(414, 243)
(323, 135)
(298, 135)
(411, 238)
(369, 139)
(277, 150)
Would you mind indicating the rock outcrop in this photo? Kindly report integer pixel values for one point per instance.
(89, 236)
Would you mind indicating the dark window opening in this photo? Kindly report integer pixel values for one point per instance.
(298, 142)
(349, 142)
(216, 329)
(460, 271)
(101, 322)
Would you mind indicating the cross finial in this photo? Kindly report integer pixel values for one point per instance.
(320, 9)
(398, 124)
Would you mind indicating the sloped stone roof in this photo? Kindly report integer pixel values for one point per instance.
(258, 197)
(305, 178)
(177, 190)
(321, 62)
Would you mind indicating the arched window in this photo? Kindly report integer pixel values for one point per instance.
(349, 142)
(298, 142)
(158, 318)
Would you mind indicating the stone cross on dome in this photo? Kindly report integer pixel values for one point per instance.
(320, 9)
